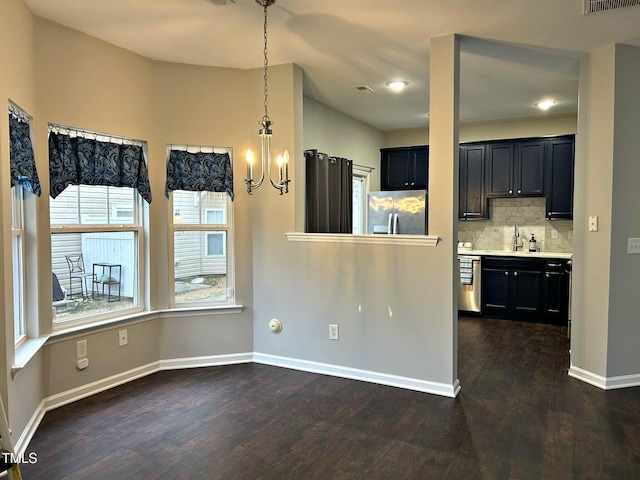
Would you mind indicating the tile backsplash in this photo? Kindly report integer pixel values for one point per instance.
(528, 214)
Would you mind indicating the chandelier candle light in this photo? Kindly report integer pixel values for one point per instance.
(266, 133)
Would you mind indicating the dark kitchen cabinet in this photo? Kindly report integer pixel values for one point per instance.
(404, 168)
(512, 288)
(556, 292)
(531, 289)
(473, 200)
(559, 176)
(516, 168)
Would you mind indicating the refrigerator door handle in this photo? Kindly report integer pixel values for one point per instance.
(395, 223)
(389, 224)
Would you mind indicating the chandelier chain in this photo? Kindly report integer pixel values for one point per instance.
(266, 64)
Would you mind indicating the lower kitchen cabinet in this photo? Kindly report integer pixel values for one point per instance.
(524, 289)
(556, 298)
(511, 290)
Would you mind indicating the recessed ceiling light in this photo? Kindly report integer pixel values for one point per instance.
(545, 104)
(397, 85)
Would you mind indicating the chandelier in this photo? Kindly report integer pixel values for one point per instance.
(265, 132)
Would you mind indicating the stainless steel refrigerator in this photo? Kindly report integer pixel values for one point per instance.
(398, 212)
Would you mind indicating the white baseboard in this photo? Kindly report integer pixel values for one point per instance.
(605, 383)
(443, 389)
(208, 361)
(20, 446)
(69, 396)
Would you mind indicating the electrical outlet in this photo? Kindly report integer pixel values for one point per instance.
(334, 333)
(633, 246)
(123, 339)
(81, 348)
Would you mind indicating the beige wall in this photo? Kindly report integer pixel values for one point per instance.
(103, 88)
(394, 304)
(336, 134)
(608, 276)
(189, 111)
(493, 130)
(16, 84)
(83, 82)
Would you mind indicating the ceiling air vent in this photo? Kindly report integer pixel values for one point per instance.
(595, 6)
(364, 88)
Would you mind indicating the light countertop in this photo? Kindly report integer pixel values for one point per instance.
(509, 253)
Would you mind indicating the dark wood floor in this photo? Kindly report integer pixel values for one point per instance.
(518, 416)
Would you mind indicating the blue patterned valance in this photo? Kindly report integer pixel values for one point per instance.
(74, 160)
(22, 161)
(199, 172)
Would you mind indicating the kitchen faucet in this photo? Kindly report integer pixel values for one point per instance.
(516, 239)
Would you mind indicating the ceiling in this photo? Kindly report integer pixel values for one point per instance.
(513, 52)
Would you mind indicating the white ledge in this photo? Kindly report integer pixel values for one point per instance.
(25, 352)
(415, 240)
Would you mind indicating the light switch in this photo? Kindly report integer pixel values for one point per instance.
(593, 223)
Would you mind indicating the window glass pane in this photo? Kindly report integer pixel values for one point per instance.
(358, 221)
(196, 208)
(18, 286)
(93, 205)
(17, 253)
(63, 210)
(103, 281)
(200, 266)
(17, 208)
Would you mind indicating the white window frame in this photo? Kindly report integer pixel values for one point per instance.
(18, 249)
(362, 174)
(135, 226)
(176, 224)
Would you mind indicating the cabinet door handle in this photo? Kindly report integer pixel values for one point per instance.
(406, 183)
(506, 273)
(515, 274)
(413, 183)
(519, 191)
(464, 214)
(547, 274)
(510, 191)
(549, 214)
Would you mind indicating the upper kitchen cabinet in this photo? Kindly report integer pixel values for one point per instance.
(515, 169)
(404, 168)
(559, 175)
(473, 201)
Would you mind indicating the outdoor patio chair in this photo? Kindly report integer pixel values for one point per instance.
(77, 272)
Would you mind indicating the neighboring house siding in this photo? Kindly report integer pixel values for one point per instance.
(190, 257)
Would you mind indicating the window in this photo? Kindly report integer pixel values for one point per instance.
(360, 191)
(24, 179)
(216, 244)
(200, 241)
(84, 227)
(97, 238)
(18, 254)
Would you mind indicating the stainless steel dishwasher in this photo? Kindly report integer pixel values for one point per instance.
(470, 296)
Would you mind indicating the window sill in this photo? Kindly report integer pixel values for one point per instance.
(193, 311)
(25, 352)
(139, 317)
(414, 240)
